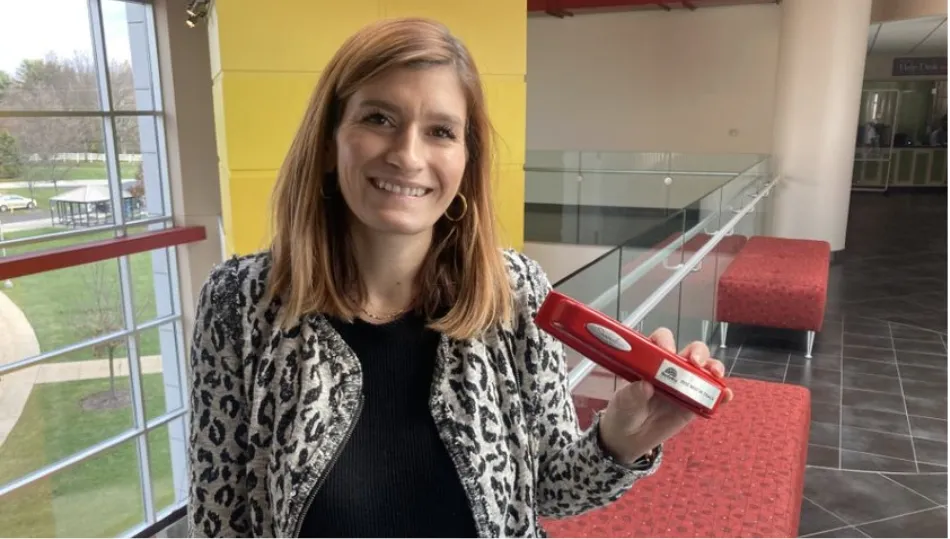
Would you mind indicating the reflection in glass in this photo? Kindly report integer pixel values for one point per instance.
(167, 464)
(139, 154)
(99, 497)
(70, 305)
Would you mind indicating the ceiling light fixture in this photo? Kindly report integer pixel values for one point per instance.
(197, 11)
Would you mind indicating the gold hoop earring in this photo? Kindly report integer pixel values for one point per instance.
(464, 210)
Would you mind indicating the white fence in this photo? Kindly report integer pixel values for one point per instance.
(86, 157)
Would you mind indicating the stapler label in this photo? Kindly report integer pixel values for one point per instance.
(687, 384)
(609, 337)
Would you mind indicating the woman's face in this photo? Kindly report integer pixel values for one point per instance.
(400, 149)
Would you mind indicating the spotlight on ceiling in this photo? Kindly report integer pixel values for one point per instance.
(197, 11)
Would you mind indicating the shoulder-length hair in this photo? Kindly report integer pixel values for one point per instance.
(463, 282)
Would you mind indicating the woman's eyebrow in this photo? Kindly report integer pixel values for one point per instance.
(442, 117)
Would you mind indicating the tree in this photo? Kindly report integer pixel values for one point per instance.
(101, 313)
(5, 82)
(64, 84)
(10, 164)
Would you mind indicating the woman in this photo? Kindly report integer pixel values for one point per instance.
(377, 372)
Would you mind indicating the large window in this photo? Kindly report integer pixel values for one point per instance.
(92, 430)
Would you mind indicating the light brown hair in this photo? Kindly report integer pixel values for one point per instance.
(463, 282)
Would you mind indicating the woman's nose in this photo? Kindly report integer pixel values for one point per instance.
(406, 151)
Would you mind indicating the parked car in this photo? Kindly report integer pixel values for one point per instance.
(16, 202)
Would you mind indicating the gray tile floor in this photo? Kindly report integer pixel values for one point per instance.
(878, 444)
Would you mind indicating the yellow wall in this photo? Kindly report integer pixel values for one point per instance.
(266, 60)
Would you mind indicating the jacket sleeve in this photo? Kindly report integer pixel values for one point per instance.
(217, 452)
(575, 474)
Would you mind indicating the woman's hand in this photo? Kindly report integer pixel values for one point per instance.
(637, 420)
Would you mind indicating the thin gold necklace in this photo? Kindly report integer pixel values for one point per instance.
(385, 318)
(391, 315)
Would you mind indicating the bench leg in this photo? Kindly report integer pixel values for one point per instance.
(810, 345)
(723, 328)
(705, 330)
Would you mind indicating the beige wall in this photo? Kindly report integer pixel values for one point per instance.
(657, 81)
(190, 138)
(895, 10)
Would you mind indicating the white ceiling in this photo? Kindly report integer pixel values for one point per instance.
(918, 37)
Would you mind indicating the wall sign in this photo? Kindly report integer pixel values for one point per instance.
(909, 67)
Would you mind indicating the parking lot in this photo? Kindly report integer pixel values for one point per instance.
(19, 216)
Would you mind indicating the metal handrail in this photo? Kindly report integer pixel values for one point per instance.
(586, 366)
(660, 256)
(631, 171)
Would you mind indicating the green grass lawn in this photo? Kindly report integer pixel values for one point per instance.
(100, 497)
(73, 304)
(82, 171)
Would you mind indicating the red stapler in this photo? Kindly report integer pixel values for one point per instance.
(629, 354)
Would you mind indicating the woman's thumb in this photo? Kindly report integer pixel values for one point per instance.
(639, 393)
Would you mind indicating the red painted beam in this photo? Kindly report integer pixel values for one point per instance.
(565, 5)
(95, 251)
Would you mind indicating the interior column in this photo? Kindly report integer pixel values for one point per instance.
(820, 74)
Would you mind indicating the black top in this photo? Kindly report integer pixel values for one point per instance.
(394, 478)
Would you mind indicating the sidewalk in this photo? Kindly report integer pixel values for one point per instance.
(19, 341)
(15, 388)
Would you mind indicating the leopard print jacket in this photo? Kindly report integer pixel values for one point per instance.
(271, 408)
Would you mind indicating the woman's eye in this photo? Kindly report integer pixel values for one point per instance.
(444, 132)
(376, 119)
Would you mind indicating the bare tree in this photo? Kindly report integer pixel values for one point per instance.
(64, 84)
(101, 312)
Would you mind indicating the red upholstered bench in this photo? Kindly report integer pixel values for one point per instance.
(740, 474)
(776, 282)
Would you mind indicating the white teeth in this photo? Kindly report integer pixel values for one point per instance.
(399, 190)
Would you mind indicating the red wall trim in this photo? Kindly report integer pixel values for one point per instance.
(560, 5)
(77, 255)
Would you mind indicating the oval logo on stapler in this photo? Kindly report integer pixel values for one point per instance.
(609, 337)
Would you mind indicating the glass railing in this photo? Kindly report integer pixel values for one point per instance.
(666, 276)
(605, 198)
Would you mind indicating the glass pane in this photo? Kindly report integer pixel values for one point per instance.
(129, 49)
(99, 497)
(46, 56)
(551, 206)
(697, 310)
(594, 285)
(57, 408)
(617, 207)
(624, 161)
(57, 156)
(162, 365)
(649, 259)
(142, 182)
(153, 281)
(166, 450)
(725, 162)
(66, 306)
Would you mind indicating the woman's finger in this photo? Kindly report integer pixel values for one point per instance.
(716, 367)
(697, 353)
(663, 338)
